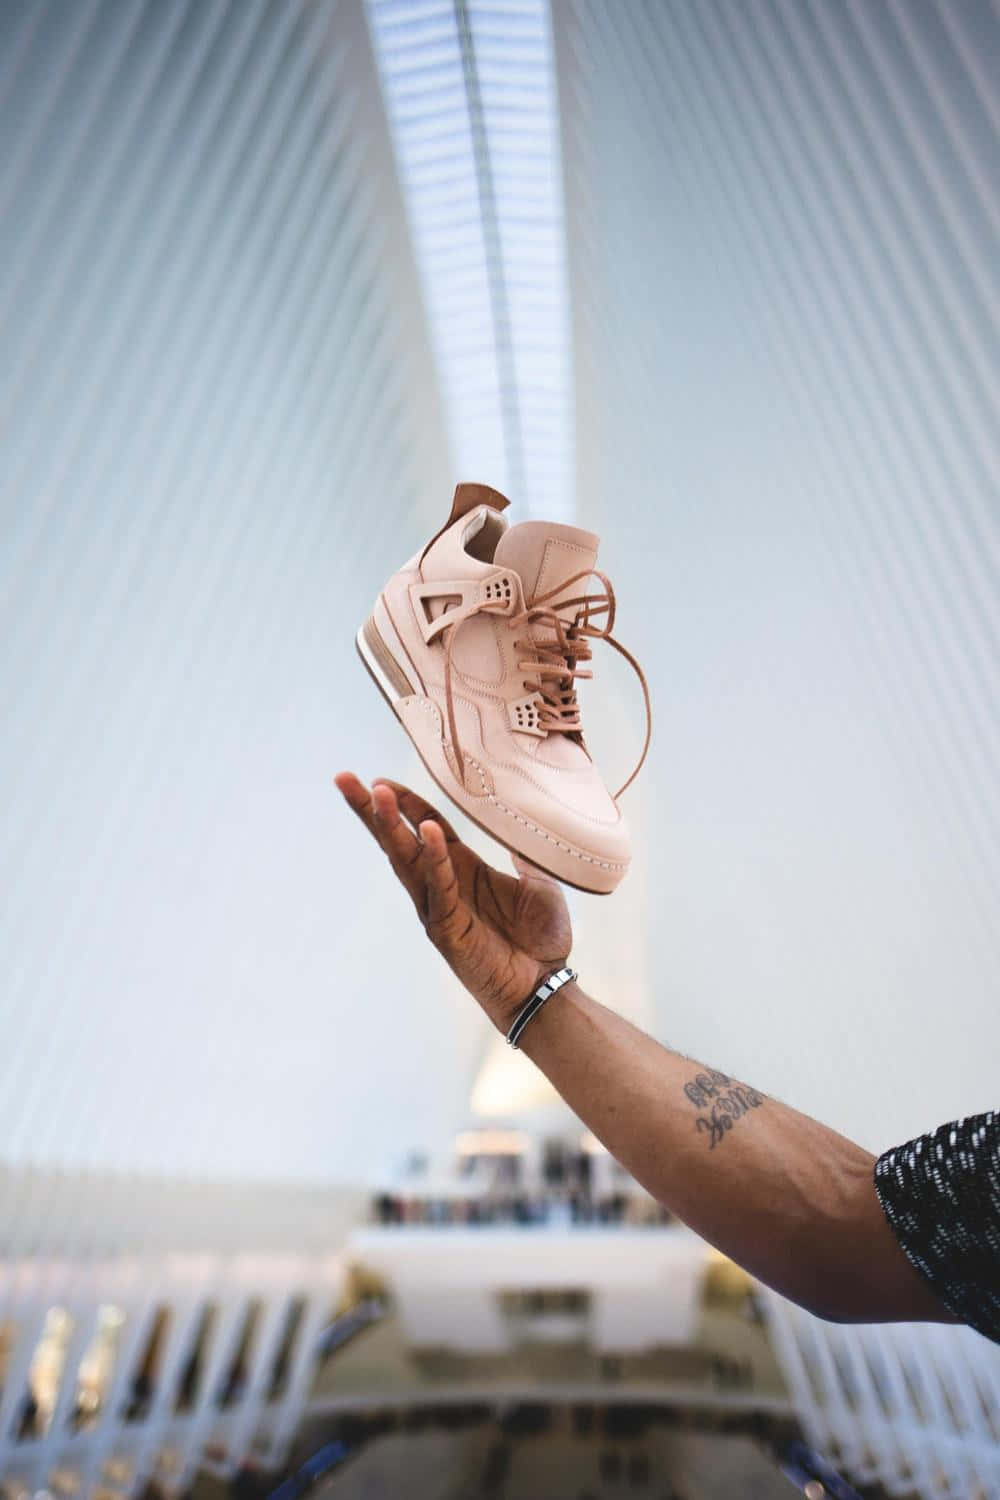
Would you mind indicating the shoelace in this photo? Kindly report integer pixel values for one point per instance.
(554, 662)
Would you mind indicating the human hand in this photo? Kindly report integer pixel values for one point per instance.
(500, 934)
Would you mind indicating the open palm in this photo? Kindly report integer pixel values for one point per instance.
(501, 934)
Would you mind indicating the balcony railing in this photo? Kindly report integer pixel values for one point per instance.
(915, 1406)
(118, 1371)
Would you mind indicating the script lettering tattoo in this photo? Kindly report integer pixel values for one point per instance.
(705, 1086)
(721, 1103)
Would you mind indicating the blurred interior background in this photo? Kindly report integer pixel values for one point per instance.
(714, 278)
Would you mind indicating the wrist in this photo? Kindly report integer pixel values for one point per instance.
(552, 1016)
(501, 1008)
(513, 1020)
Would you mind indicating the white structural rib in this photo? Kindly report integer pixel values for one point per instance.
(217, 403)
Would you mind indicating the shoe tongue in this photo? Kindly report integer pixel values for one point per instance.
(544, 555)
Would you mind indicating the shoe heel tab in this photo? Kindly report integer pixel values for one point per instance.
(467, 497)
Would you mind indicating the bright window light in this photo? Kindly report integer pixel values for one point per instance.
(471, 99)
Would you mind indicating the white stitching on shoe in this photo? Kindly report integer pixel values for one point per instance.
(603, 864)
(489, 796)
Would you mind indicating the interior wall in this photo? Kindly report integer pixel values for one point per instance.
(221, 430)
(782, 220)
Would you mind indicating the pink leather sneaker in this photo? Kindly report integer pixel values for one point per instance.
(477, 644)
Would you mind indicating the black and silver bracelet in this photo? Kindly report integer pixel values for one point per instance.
(531, 1007)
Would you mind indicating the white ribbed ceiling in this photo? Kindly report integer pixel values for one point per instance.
(272, 277)
(218, 424)
(784, 226)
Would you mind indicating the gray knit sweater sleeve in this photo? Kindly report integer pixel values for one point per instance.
(941, 1195)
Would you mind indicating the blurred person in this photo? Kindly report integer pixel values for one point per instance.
(913, 1235)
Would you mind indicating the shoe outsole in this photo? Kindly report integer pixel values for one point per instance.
(378, 674)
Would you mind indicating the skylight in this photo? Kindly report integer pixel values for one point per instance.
(471, 99)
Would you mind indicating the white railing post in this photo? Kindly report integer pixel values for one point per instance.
(139, 1306)
(314, 1319)
(220, 1350)
(242, 1420)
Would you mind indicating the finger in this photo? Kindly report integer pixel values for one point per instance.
(396, 837)
(357, 797)
(417, 810)
(444, 910)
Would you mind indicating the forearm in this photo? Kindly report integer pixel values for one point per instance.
(788, 1199)
(784, 1196)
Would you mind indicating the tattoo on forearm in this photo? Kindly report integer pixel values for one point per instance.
(720, 1102)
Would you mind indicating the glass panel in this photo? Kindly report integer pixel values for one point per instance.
(189, 1383)
(281, 1368)
(234, 1383)
(143, 1385)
